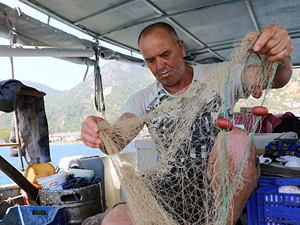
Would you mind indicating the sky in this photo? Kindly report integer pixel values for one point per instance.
(55, 73)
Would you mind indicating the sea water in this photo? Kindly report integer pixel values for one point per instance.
(56, 152)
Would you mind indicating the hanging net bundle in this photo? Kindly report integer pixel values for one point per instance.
(204, 173)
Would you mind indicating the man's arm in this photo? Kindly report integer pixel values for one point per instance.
(284, 73)
(275, 43)
(122, 132)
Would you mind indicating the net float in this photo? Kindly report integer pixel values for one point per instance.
(257, 92)
(224, 124)
(259, 111)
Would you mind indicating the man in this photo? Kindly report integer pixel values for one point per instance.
(163, 53)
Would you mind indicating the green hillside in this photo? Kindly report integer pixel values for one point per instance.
(279, 100)
(66, 110)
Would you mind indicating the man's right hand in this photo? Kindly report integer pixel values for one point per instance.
(90, 132)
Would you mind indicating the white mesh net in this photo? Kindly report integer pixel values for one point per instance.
(199, 177)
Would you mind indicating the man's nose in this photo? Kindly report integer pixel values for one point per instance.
(160, 64)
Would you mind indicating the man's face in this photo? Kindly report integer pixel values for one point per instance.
(163, 57)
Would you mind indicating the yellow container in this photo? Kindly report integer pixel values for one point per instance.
(35, 171)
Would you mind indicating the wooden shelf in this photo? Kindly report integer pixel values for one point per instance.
(32, 93)
(9, 145)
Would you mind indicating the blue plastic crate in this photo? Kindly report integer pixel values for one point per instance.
(35, 215)
(269, 207)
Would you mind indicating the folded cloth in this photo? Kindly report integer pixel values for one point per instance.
(282, 147)
(77, 182)
(290, 161)
(32, 121)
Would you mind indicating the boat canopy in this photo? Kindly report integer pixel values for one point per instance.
(208, 27)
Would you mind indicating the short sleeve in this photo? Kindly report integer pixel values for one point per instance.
(134, 105)
(137, 104)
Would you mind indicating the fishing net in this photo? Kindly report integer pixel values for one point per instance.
(203, 174)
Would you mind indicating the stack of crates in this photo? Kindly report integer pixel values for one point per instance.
(269, 207)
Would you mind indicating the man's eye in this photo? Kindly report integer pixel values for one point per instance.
(150, 60)
(165, 54)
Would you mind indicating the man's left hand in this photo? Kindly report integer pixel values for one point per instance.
(274, 42)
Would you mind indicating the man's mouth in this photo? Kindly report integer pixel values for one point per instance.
(164, 73)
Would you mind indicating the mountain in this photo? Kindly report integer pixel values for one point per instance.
(280, 100)
(66, 110)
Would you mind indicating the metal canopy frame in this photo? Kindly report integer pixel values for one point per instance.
(218, 50)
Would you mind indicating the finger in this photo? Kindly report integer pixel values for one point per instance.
(87, 129)
(92, 145)
(266, 34)
(278, 52)
(90, 140)
(100, 146)
(92, 123)
(278, 57)
(272, 48)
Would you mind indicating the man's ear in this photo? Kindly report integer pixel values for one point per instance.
(181, 47)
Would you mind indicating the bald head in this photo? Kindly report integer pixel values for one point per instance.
(160, 25)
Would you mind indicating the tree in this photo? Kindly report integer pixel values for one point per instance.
(4, 134)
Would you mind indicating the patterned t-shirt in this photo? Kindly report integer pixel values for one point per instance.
(150, 97)
(182, 176)
(201, 135)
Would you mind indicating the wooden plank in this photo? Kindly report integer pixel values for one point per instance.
(32, 93)
(9, 145)
(17, 177)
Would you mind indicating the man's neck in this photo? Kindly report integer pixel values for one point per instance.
(183, 84)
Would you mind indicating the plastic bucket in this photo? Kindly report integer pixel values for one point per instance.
(53, 182)
(82, 173)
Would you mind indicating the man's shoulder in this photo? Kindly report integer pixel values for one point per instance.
(139, 101)
(149, 90)
(209, 65)
(203, 70)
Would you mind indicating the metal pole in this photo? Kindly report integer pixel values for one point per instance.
(99, 95)
(15, 115)
(38, 51)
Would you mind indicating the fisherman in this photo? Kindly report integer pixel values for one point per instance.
(163, 53)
